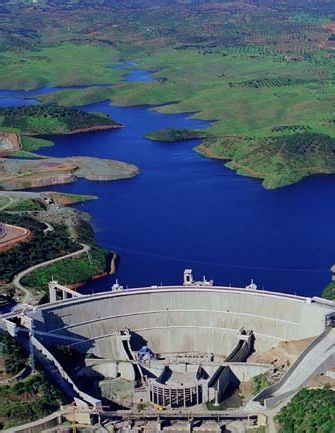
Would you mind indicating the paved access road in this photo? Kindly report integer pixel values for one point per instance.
(28, 297)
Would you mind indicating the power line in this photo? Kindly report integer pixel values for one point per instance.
(226, 265)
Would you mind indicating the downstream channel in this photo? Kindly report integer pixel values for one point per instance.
(187, 211)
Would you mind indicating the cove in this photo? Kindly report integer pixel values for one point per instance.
(184, 210)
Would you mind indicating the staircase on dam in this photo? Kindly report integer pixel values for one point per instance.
(318, 357)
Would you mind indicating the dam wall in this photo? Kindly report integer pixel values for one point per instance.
(203, 319)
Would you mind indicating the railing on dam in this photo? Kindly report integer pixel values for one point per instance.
(191, 288)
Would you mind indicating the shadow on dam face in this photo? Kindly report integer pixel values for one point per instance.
(137, 341)
(65, 349)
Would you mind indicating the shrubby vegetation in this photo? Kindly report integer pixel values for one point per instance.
(46, 246)
(260, 382)
(14, 355)
(171, 134)
(28, 400)
(68, 357)
(281, 160)
(50, 119)
(40, 248)
(310, 411)
(329, 291)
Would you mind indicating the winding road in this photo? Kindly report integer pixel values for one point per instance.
(10, 201)
(28, 297)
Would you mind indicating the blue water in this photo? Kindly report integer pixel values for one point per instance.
(132, 74)
(17, 98)
(184, 210)
(13, 98)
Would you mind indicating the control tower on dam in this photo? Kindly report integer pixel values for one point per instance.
(196, 317)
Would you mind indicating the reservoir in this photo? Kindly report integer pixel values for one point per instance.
(187, 211)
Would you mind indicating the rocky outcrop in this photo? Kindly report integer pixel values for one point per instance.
(102, 169)
(9, 141)
(24, 174)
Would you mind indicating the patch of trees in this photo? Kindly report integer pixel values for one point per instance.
(42, 246)
(290, 128)
(269, 82)
(310, 411)
(51, 118)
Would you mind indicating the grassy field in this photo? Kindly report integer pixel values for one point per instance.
(69, 271)
(62, 65)
(29, 144)
(26, 205)
(262, 72)
(256, 99)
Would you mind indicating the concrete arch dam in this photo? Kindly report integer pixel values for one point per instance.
(190, 322)
(191, 319)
